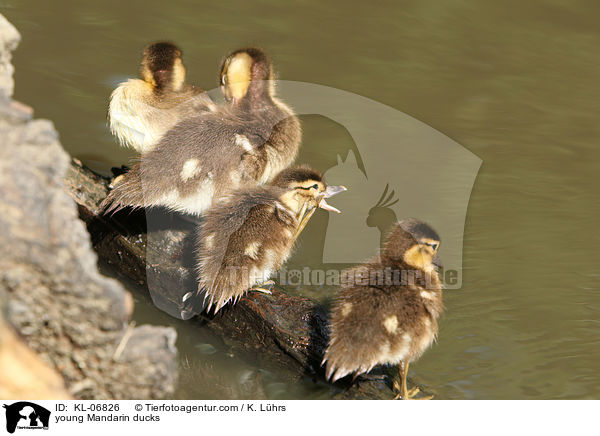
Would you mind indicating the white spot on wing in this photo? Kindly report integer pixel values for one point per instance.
(190, 169)
(346, 309)
(209, 241)
(427, 295)
(243, 142)
(391, 324)
(252, 250)
(193, 204)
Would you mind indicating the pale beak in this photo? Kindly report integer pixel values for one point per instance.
(330, 192)
(333, 190)
(305, 213)
(324, 205)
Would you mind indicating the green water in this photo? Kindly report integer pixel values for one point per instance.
(515, 83)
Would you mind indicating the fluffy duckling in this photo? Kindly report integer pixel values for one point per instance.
(247, 82)
(248, 236)
(142, 110)
(387, 309)
(244, 142)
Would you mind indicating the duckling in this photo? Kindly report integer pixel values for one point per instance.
(142, 110)
(247, 236)
(245, 142)
(247, 82)
(387, 310)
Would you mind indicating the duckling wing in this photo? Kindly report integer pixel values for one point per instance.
(193, 163)
(234, 247)
(282, 144)
(365, 331)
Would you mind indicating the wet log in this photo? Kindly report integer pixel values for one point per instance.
(154, 249)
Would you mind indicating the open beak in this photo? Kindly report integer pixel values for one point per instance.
(330, 192)
(306, 213)
(333, 190)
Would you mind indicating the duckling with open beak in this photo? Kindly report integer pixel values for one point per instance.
(142, 110)
(247, 236)
(387, 311)
(242, 143)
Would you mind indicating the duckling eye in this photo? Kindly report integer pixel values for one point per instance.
(315, 186)
(433, 245)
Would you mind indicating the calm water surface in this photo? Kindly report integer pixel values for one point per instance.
(516, 83)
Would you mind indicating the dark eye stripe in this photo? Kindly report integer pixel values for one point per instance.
(315, 186)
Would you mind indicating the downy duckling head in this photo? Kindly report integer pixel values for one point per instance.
(305, 190)
(162, 67)
(247, 76)
(412, 242)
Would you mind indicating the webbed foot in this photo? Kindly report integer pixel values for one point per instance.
(265, 287)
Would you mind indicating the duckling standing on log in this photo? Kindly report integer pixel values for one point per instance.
(387, 311)
(142, 110)
(246, 141)
(248, 235)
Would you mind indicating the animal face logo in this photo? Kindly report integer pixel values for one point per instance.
(382, 216)
(26, 415)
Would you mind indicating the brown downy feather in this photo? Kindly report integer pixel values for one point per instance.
(247, 236)
(241, 242)
(388, 310)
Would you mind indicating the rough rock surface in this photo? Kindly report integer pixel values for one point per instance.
(74, 317)
(9, 39)
(23, 374)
